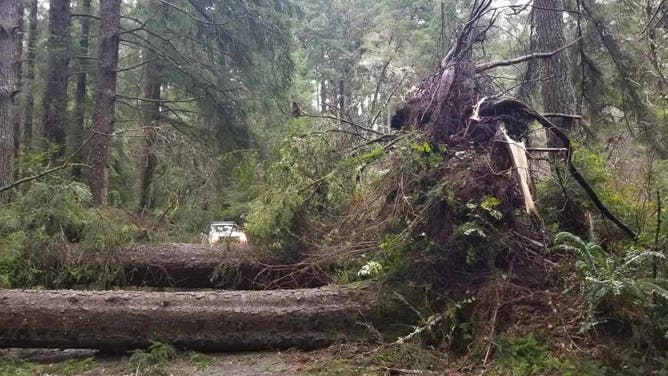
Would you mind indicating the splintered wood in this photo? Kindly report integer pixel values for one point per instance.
(518, 155)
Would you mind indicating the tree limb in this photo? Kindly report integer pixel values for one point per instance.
(345, 122)
(539, 55)
(66, 164)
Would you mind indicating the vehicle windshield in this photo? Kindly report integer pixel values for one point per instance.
(224, 228)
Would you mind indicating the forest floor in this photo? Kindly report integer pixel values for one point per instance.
(335, 360)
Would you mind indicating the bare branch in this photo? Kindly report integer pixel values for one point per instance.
(160, 100)
(565, 116)
(539, 55)
(344, 121)
(136, 65)
(85, 15)
(66, 164)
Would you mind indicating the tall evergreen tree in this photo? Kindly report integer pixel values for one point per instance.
(55, 93)
(18, 74)
(9, 27)
(76, 133)
(105, 98)
(29, 106)
(150, 119)
(555, 88)
(556, 91)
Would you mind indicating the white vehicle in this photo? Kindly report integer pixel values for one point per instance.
(226, 232)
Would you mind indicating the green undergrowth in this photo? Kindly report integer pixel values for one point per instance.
(527, 356)
(72, 367)
(49, 219)
(159, 359)
(152, 361)
(407, 356)
(533, 356)
(156, 359)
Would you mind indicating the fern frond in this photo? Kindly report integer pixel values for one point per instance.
(654, 287)
(566, 238)
(639, 257)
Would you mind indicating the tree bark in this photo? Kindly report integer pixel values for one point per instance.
(204, 321)
(323, 96)
(555, 82)
(78, 120)
(18, 73)
(30, 76)
(105, 99)
(193, 266)
(55, 93)
(9, 25)
(555, 90)
(151, 116)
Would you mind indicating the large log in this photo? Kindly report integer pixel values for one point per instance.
(203, 321)
(230, 266)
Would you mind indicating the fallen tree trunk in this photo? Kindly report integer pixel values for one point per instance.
(203, 321)
(230, 266)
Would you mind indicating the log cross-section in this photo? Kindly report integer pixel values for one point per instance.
(206, 321)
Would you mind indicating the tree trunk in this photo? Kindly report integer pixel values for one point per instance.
(55, 92)
(555, 91)
(342, 99)
(526, 88)
(323, 96)
(105, 99)
(555, 83)
(78, 122)
(30, 76)
(204, 321)
(9, 25)
(193, 266)
(151, 117)
(18, 73)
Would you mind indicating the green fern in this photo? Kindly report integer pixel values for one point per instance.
(606, 276)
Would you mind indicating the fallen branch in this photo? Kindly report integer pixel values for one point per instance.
(403, 371)
(343, 121)
(431, 322)
(492, 328)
